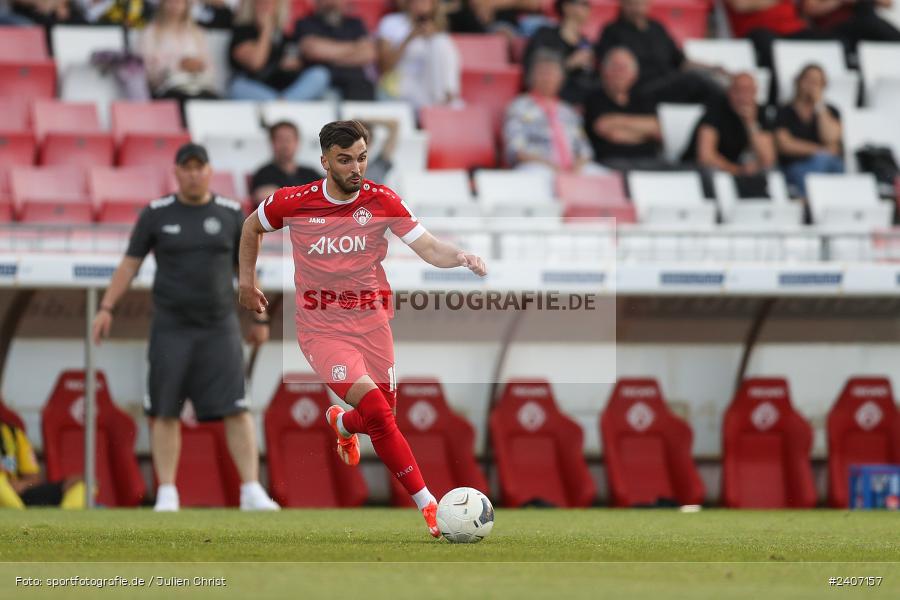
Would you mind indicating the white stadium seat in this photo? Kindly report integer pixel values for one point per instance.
(777, 209)
(733, 55)
(868, 126)
(437, 194)
(677, 122)
(516, 193)
(309, 117)
(847, 201)
(670, 197)
(239, 155)
(878, 61)
(222, 118)
(400, 111)
(790, 56)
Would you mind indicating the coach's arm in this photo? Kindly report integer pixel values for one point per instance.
(444, 255)
(249, 294)
(126, 271)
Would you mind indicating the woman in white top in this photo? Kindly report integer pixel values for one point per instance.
(417, 59)
(176, 54)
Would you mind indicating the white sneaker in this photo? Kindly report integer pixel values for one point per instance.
(254, 497)
(167, 499)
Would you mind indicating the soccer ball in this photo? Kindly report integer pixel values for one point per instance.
(465, 516)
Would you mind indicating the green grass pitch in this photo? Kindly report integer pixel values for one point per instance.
(387, 553)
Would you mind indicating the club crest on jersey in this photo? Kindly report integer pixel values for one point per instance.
(212, 225)
(362, 216)
(339, 372)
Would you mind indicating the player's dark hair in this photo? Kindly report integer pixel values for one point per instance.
(343, 134)
(279, 124)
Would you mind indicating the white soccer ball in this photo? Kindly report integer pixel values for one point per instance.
(465, 516)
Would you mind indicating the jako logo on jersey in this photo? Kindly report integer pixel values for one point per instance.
(342, 245)
(319, 220)
(362, 216)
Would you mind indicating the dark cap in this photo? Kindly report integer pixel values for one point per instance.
(189, 151)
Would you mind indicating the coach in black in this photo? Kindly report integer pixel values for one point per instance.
(195, 345)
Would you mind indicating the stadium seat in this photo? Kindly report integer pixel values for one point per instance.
(22, 44)
(241, 155)
(443, 193)
(119, 195)
(733, 55)
(205, 119)
(51, 195)
(677, 122)
(776, 209)
(398, 110)
(790, 56)
(647, 448)
(492, 88)
(222, 183)
(304, 468)
(79, 80)
(70, 134)
(28, 79)
(119, 480)
(670, 197)
(309, 117)
(411, 151)
(206, 474)
(847, 200)
(861, 127)
(863, 429)
(766, 444)
(17, 148)
(145, 118)
(478, 50)
(683, 19)
(503, 192)
(879, 63)
(219, 42)
(459, 138)
(539, 451)
(594, 197)
(442, 441)
(152, 150)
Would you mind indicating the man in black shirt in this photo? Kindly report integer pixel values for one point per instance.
(283, 171)
(665, 74)
(341, 43)
(195, 345)
(621, 125)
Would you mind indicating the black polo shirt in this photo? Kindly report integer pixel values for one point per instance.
(733, 137)
(657, 53)
(350, 29)
(599, 104)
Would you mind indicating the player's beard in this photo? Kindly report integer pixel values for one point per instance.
(347, 186)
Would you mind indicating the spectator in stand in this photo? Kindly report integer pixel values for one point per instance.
(808, 131)
(622, 126)
(283, 171)
(851, 20)
(567, 40)
(665, 74)
(417, 59)
(48, 12)
(329, 38)
(217, 14)
(176, 55)
(266, 64)
(735, 135)
(485, 16)
(541, 131)
(8, 15)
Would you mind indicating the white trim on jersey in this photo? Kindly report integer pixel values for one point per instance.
(414, 234)
(261, 213)
(334, 201)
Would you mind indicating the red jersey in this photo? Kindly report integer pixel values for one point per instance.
(338, 246)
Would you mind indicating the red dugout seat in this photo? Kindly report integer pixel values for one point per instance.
(493, 88)
(594, 197)
(119, 480)
(481, 49)
(863, 428)
(459, 138)
(539, 450)
(304, 469)
(51, 195)
(442, 441)
(119, 195)
(766, 446)
(647, 448)
(70, 134)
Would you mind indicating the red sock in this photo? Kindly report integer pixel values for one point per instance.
(390, 445)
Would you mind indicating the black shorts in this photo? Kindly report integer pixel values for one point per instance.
(43, 494)
(203, 364)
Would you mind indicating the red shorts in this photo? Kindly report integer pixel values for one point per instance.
(341, 359)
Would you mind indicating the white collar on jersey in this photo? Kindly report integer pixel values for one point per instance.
(333, 200)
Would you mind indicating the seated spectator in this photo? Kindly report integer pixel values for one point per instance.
(567, 40)
(485, 16)
(331, 39)
(808, 131)
(48, 12)
(130, 13)
(418, 61)
(266, 65)
(21, 483)
(622, 127)
(217, 14)
(665, 74)
(9, 17)
(176, 55)
(735, 135)
(541, 131)
(283, 171)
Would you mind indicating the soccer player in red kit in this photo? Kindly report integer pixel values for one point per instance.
(337, 228)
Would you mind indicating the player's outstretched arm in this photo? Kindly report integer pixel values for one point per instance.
(444, 255)
(249, 294)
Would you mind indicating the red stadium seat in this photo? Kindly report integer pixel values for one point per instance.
(766, 446)
(119, 195)
(152, 150)
(863, 428)
(145, 118)
(304, 469)
(22, 44)
(442, 441)
(603, 12)
(222, 183)
(17, 148)
(7, 212)
(70, 134)
(51, 195)
(594, 197)
(647, 448)
(493, 88)
(683, 19)
(478, 50)
(539, 450)
(15, 114)
(459, 138)
(206, 474)
(119, 480)
(28, 79)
